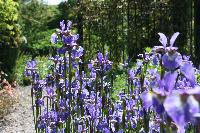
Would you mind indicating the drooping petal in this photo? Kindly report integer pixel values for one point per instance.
(191, 108)
(173, 38)
(163, 39)
(155, 61)
(171, 61)
(188, 71)
(168, 82)
(158, 105)
(75, 37)
(67, 39)
(174, 108)
(70, 40)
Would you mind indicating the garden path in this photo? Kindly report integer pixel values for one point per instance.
(20, 119)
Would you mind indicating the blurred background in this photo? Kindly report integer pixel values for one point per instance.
(124, 28)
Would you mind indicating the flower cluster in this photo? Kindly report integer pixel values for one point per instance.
(161, 94)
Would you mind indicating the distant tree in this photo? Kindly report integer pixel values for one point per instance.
(67, 10)
(33, 18)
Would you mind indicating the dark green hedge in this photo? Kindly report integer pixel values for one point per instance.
(8, 57)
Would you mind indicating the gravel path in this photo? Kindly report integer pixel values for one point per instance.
(20, 119)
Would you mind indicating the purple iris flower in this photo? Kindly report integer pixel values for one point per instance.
(30, 69)
(63, 115)
(154, 127)
(107, 65)
(171, 59)
(130, 104)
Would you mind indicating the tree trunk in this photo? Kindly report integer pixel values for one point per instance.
(197, 30)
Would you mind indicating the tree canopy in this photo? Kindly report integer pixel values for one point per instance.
(10, 30)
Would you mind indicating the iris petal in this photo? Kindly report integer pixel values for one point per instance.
(188, 71)
(171, 61)
(173, 38)
(163, 39)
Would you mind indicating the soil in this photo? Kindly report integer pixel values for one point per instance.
(20, 118)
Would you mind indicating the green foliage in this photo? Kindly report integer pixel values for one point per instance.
(43, 65)
(36, 17)
(20, 67)
(67, 10)
(40, 46)
(33, 20)
(118, 85)
(148, 50)
(10, 33)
